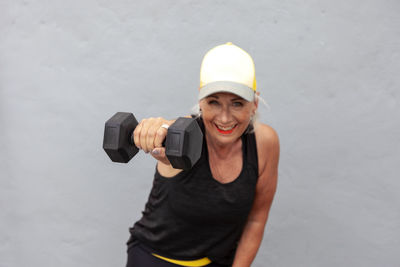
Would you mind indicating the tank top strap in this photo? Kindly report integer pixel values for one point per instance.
(251, 150)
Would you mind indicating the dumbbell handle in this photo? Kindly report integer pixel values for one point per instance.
(175, 149)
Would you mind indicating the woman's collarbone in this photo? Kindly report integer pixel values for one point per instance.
(226, 170)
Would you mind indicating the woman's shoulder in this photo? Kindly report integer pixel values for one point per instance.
(267, 141)
(265, 135)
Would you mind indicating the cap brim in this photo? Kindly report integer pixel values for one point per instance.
(239, 89)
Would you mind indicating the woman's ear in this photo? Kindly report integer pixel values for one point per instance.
(201, 103)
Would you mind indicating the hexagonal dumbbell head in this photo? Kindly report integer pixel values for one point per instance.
(117, 140)
(184, 143)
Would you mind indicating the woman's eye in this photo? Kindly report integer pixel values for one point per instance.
(237, 104)
(212, 102)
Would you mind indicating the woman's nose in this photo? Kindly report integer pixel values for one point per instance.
(225, 115)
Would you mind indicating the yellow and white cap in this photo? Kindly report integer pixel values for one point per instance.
(228, 68)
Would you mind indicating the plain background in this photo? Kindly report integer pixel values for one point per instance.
(329, 71)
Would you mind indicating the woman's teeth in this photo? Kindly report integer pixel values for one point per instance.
(226, 128)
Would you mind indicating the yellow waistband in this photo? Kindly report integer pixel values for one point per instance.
(194, 263)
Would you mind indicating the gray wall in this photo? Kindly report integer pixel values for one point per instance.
(328, 69)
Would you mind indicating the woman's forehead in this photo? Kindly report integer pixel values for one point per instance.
(225, 95)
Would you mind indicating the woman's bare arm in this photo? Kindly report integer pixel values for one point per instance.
(268, 159)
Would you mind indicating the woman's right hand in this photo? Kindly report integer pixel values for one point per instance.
(149, 135)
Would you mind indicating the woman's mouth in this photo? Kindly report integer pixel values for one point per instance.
(225, 129)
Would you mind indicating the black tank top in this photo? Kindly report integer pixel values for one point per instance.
(192, 215)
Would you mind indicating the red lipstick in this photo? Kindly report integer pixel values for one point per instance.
(226, 132)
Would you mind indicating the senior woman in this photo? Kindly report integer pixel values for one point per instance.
(215, 213)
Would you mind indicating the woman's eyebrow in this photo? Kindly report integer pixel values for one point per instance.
(233, 99)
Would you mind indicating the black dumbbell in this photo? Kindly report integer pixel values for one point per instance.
(183, 143)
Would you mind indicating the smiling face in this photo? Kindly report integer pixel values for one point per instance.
(226, 116)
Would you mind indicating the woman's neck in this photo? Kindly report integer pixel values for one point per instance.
(222, 151)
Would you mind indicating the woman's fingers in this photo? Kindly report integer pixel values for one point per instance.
(150, 134)
(150, 138)
(136, 134)
(160, 136)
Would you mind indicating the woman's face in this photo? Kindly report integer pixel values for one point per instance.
(226, 116)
